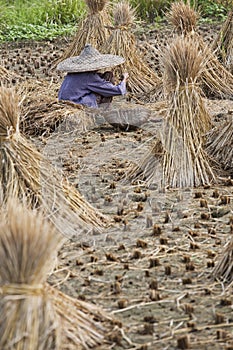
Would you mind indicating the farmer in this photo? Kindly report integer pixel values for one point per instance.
(84, 85)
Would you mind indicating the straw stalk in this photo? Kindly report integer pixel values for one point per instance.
(216, 80)
(25, 173)
(219, 144)
(223, 44)
(35, 315)
(92, 29)
(122, 42)
(223, 269)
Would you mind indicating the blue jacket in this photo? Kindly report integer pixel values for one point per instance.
(82, 88)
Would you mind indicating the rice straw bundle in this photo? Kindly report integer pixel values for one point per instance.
(122, 42)
(149, 168)
(185, 162)
(35, 315)
(28, 247)
(25, 172)
(219, 144)
(223, 45)
(183, 17)
(180, 143)
(223, 269)
(91, 30)
(42, 113)
(216, 80)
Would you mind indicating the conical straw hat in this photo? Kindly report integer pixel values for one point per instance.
(89, 59)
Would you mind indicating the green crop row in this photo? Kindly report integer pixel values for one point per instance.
(43, 19)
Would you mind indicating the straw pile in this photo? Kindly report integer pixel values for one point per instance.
(219, 144)
(216, 80)
(223, 270)
(27, 251)
(35, 315)
(122, 42)
(223, 45)
(182, 17)
(180, 143)
(92, 29)
(42, 113)
(25, 173)
(185, 162)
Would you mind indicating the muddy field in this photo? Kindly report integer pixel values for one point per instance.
(151, 269)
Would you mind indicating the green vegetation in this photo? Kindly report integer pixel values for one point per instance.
(46, 19)
(38, 19)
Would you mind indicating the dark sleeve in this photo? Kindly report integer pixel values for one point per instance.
(105, 88)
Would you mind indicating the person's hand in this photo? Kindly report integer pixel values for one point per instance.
(125, 76)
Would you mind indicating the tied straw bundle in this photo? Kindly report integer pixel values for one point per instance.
(223, 269)
(216, 80)
(26, 173)
(219, 144)
(42, 113)
(92, 30)
(223, 44)
(184, 163)
(35, 315)
(122, 42)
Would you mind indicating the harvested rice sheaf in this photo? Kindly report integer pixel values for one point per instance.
(42, 113)
(223, 44)
(219, 144)
(179, 145)
(91, 30)
(122, 42)
(25, 173)
(217, 81)
(35, 315)
(185, 162)
(223, 269)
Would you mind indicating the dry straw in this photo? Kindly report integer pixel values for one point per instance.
(28, 248)
(8, 77)
(223, 44)
(91, 30)
(219, 144)
(35, 315)
(223, 269)
(42, 113)
(122, 42)
(26, 173)
(184, 163)
(216, 80)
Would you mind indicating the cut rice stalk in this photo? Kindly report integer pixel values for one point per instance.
(180, 141)
(223, 44)
(122, 42)
(26, 173)
(43, 113)
(28, 247)
(223, 269)
(216, 81)
(219, 144)
(34, 314)
(185, 162)
(93, 29)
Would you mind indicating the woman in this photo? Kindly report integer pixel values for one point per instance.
(84, 85)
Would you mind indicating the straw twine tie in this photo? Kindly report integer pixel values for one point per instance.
(22, 290)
